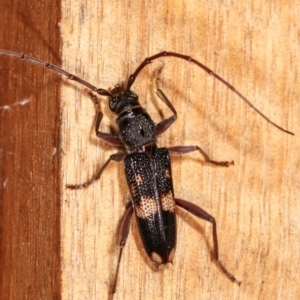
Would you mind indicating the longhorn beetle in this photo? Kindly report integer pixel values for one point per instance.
(147, 167)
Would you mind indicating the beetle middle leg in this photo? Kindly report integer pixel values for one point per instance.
(119, 156)
(202, 214)
(188, 149)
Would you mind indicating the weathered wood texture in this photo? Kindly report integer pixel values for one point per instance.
(255, 46)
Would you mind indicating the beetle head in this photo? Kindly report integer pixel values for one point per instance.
(122, 100)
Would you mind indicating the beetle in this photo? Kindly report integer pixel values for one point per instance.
(147, 167)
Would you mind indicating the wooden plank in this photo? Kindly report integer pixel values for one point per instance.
(29, 143)
(255, 47)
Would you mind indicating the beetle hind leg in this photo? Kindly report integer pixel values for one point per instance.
(125, 226)
(202, 214)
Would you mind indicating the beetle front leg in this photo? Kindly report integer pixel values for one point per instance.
(162, 126)
(202, 214)
(109, 138)
(188, 149)
(116, 157)
(125, 226)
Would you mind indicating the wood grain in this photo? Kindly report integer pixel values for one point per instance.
(253, 45)
(29, 160)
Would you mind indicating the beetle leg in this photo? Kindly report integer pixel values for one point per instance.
(188, 149)
(109, 138)
(202, 214)
(116, 157)
(162, 126)
(125, 226)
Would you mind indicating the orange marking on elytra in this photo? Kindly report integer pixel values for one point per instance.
(139, 179)
(146, 207)
(168, 202)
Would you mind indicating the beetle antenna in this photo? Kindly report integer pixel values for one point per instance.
(56, 69)
(148, 60)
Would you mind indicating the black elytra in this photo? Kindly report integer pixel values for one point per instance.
(150, 182)
(147, 167)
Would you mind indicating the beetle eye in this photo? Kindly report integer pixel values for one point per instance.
(113, 102)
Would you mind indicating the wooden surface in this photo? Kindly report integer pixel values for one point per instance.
(29, 160)
(255, 46)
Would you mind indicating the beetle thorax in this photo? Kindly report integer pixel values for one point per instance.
(136, 127)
